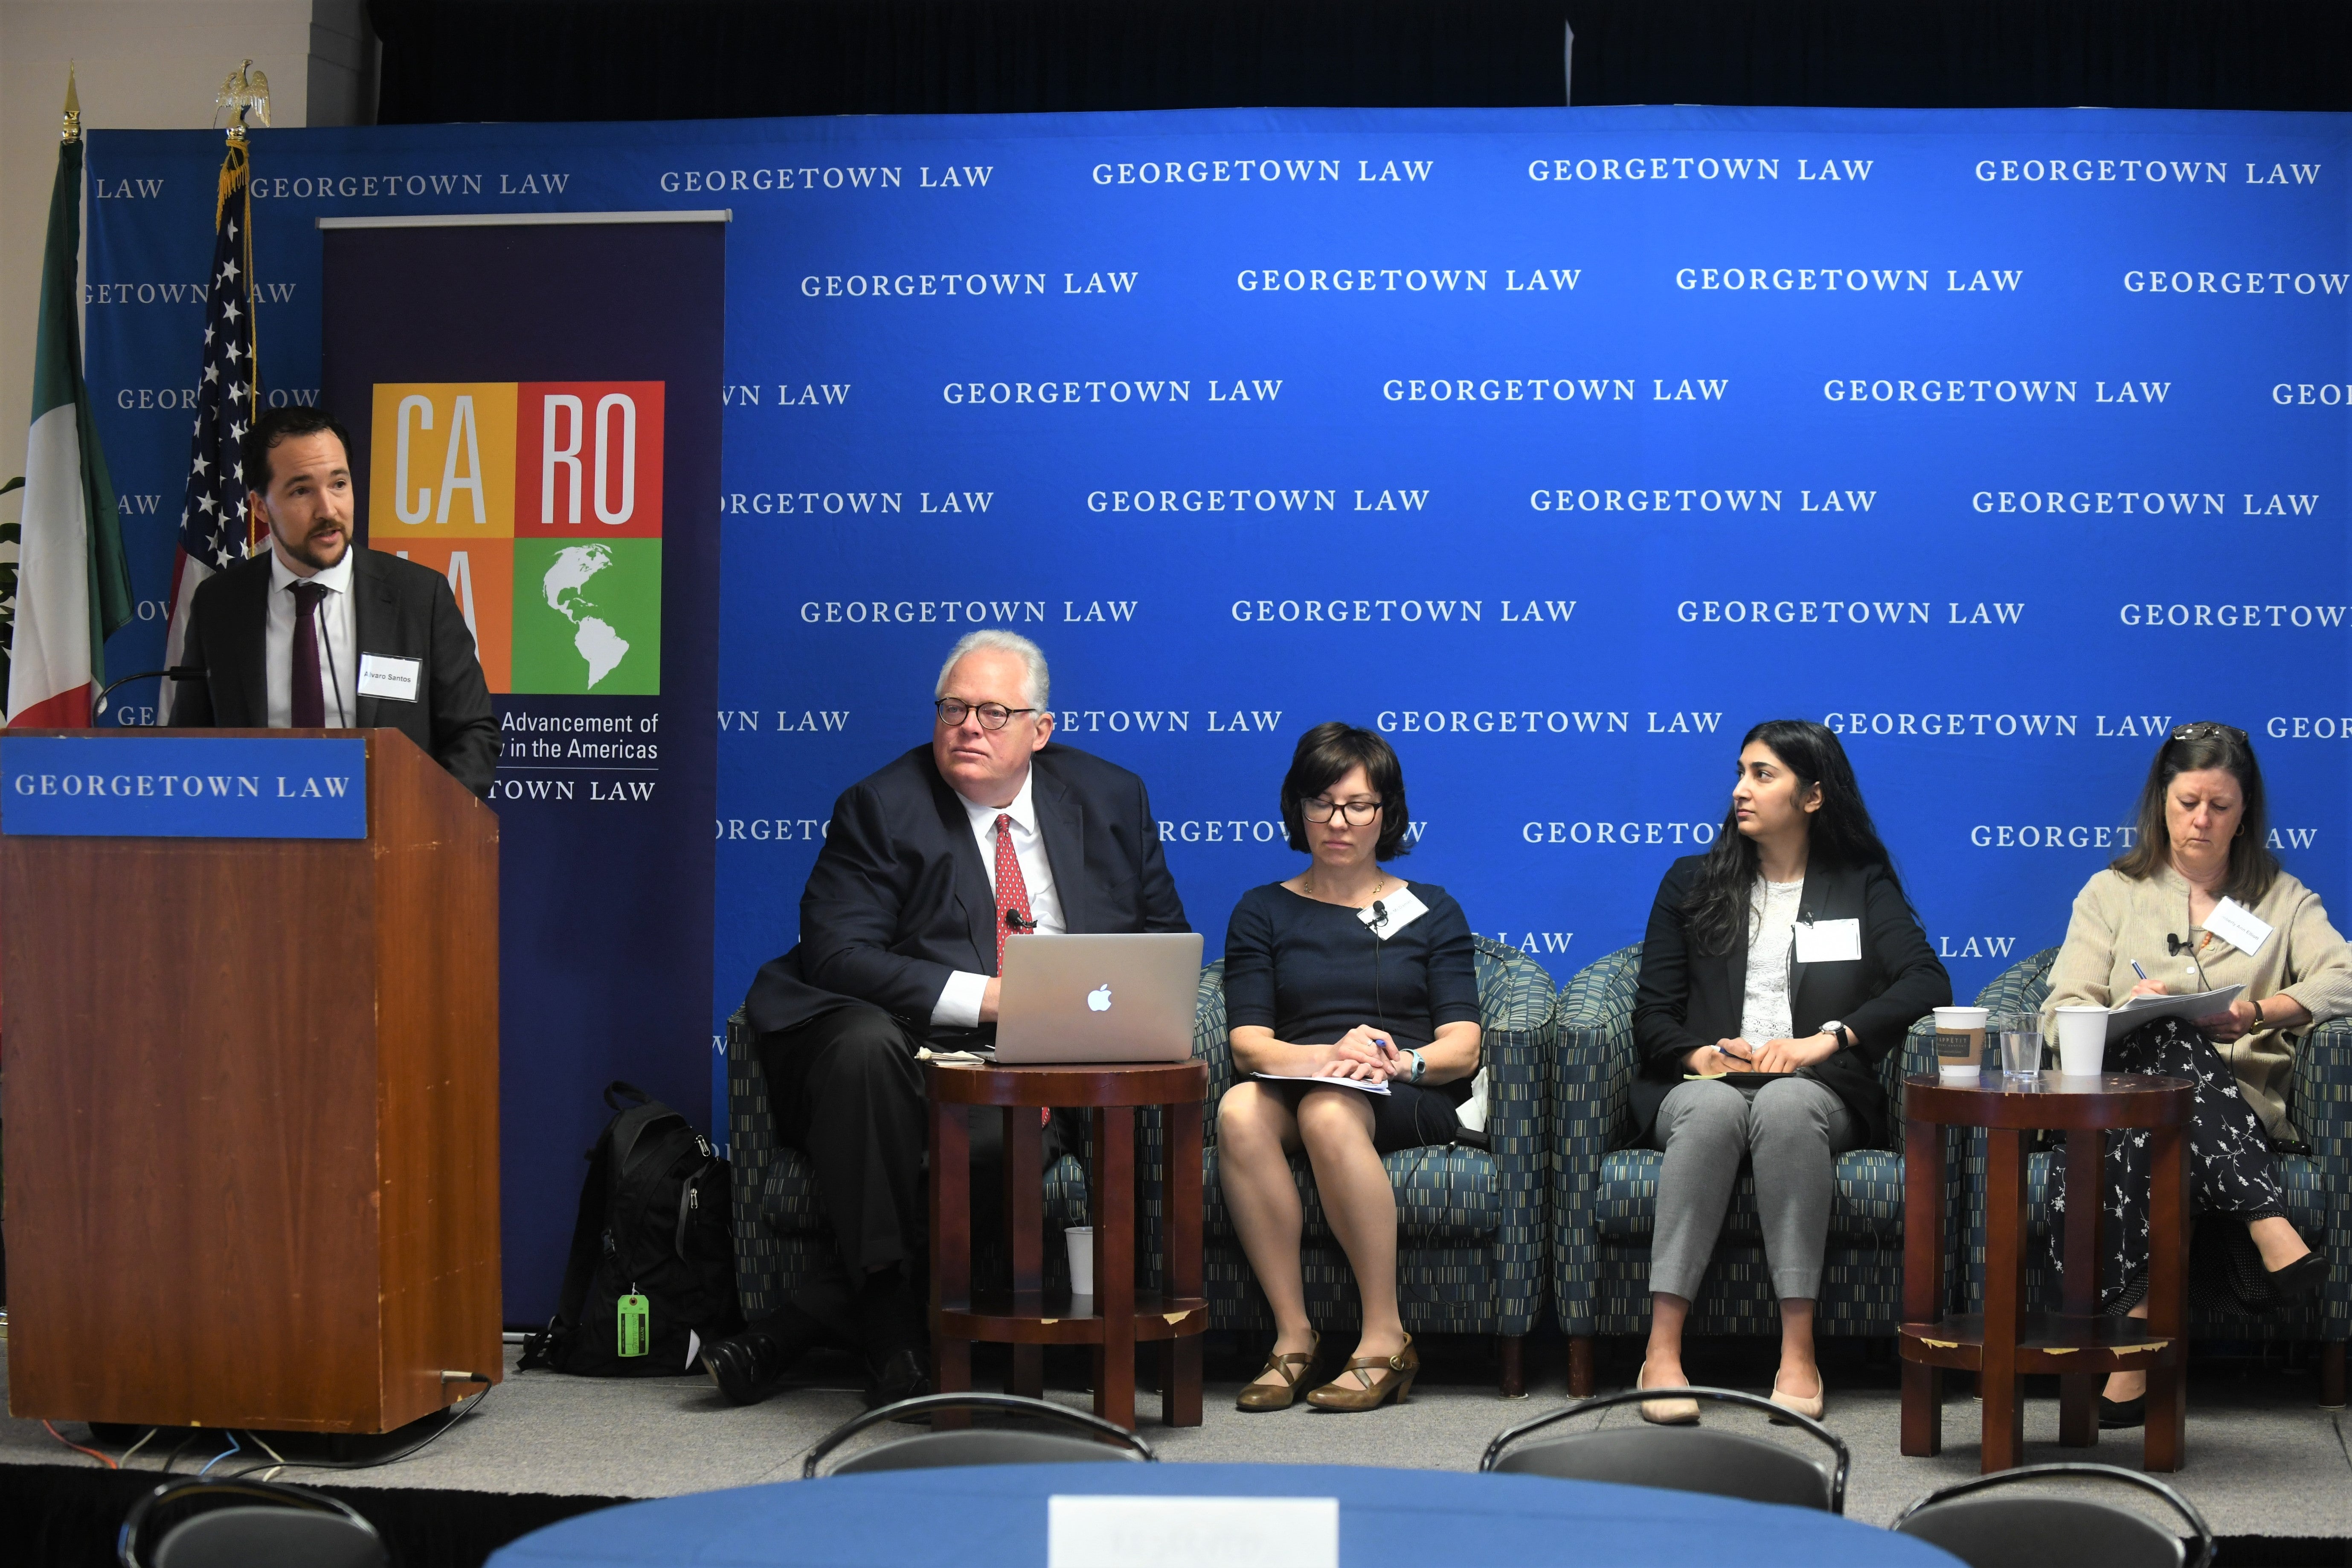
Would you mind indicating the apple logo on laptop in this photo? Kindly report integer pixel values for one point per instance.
(1098, 999)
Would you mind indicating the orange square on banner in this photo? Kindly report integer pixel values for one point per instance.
(481, 576)
(588, 460)
(441, 463)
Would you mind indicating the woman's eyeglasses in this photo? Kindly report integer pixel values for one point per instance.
(1355, 813)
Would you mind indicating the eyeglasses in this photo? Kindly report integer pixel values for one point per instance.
(993, 715)
(1355, 813)
(2207, 731)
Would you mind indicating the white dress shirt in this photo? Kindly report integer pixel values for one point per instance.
(339, 668)
(959, 998)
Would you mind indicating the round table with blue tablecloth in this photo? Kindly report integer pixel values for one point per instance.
(994, 1517)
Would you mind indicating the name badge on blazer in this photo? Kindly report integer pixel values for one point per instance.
(381, 675)
(1829, 942)
(2239, 926)
(1402, 908)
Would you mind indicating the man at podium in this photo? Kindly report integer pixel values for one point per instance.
(322, 633)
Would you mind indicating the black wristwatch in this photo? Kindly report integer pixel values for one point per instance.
(1835, 1029)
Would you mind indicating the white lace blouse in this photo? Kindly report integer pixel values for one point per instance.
(1772, 925)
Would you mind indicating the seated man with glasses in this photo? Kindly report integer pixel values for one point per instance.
(930, 866)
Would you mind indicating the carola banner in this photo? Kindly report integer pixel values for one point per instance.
(1558, 445)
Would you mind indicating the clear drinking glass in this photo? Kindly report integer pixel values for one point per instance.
(2021, 1045)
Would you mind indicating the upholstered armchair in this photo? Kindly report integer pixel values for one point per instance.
(2319, 1191)
(1470, 1220)
(1604, 1197)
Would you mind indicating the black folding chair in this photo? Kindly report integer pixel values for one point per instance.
(247, 1524)
(1680, 1459)
(981, 1445)
(2026, 1532)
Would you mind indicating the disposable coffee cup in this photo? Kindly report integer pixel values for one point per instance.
(2082, 1042)
(1081, 1238)
(1960, 1040)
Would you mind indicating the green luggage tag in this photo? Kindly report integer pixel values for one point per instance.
(635, 1324)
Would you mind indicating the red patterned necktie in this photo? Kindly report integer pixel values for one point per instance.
(1012, 892)
(310, 702)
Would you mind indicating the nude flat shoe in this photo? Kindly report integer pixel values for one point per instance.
(1667, 1412)
(1809, 1408)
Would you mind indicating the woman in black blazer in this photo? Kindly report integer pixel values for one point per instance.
(1787, 950)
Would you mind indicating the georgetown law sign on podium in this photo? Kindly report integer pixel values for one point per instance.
(175, 787)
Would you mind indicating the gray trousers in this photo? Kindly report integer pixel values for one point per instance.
(1793, 1129)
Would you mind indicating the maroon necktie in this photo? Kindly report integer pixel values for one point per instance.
(1011, 893)
(309, 706)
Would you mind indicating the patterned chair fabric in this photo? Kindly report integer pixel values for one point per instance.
(781, 1234)
(1470, 1221)
(2318, 1184)
(1604, 1197)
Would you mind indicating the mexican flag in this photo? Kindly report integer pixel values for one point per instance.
(73, 587)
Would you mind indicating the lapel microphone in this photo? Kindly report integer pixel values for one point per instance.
(2174, 946)
(1017, 923)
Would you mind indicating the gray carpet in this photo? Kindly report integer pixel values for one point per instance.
(2262, 1459)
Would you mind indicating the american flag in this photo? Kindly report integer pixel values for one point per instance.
(215, 531)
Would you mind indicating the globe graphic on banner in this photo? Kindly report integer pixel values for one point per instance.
(566, 585)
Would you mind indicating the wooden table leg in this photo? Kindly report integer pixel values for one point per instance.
(2004, 1302)
(1112, 1191)
(2078, 1408)
(1923, 1282)
(950, 1253)
(1024, 1224)
(1180, 1262)
(2165, 1441)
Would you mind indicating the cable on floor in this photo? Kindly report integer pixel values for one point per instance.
(77, 1448)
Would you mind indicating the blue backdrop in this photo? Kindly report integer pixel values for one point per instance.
(1561, 445)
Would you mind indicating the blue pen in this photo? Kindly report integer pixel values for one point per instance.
(2138, 970)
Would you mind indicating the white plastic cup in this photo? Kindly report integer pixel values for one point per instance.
(1081, 1238)
(1960, 1040)
(2082, 1042)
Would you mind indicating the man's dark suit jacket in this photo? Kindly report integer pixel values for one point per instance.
(901, 896)
(1687, 1000)
(398, 608)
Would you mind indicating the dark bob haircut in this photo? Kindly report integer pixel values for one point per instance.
(1324, 757)
(2253, 867)
(280, 424)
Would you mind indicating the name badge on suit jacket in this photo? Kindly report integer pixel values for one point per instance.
(381, 675)
(1829, 942)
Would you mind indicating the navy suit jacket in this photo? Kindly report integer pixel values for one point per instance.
(398, 608)
(900, 897)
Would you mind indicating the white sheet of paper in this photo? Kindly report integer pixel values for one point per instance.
(2137, 1010)
(1403, 908)
(381, 675)
(1193, 1532)
(2235, 924)
(1368, 1088)
(1829, 942)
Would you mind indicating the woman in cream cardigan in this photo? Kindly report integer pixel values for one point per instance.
(2202, 847)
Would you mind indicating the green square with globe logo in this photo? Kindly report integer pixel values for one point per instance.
(587, 617)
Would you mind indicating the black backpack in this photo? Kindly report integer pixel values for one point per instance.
(653, 1228)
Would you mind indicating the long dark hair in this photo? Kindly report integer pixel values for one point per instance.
(1840, 833)
(2253, 867)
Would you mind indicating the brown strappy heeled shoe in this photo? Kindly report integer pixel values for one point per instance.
(1291, 1368)
(1365, 1393)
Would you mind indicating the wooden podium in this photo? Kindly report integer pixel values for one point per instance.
(252, 1155)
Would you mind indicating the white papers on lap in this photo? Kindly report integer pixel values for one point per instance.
(2137, 1010)
(1368, 1088)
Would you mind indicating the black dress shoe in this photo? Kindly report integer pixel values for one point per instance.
(2121, 1414)
(747, 1367)
(901, 1375)
(2298, 1280)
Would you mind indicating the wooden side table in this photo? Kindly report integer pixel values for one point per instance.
(2004, 1343)
(1174, 1318)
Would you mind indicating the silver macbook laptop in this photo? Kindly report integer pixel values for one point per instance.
(1099, 998)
